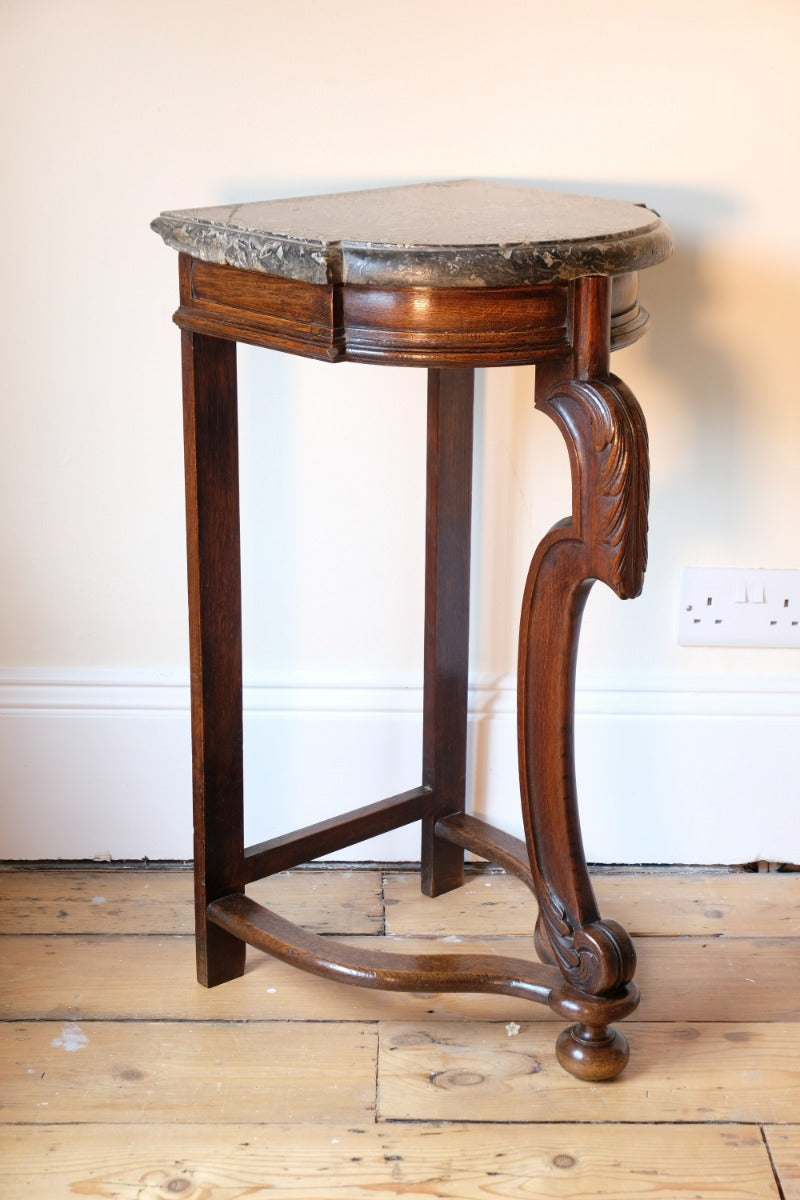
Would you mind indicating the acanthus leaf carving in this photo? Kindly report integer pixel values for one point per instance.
(605, 539)
(597, 958)
(608, 442)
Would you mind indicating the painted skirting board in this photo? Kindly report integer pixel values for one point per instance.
(97, 763)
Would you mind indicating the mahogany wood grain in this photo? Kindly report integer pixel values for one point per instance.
(604, 538)
(215, 636)
(304, 845)
(383, 969)
(451, 326)
(446, 649)
(502, 849)
(246, 306)
(406, 326)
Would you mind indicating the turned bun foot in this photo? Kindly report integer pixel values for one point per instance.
(592, 1054)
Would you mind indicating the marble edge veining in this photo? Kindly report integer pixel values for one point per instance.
(291, 258)
(320, 261)
(500, 266)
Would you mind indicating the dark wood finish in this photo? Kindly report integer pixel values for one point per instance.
(304, 845)
(568, 329)
(451, 326)
(446, 662)
(284, 314)
(212, 531)
(332, 959)
(605, 538)
(412, 326)
(502, 849)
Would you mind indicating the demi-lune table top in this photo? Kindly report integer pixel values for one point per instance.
(464, 233)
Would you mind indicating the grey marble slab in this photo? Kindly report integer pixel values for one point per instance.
(465, 233)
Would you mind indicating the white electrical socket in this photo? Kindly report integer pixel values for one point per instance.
(738, 607)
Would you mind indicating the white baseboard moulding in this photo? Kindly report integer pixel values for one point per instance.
(97, 764)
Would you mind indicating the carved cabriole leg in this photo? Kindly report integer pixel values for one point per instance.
(604, 539)
(212, 529)
(447, 569)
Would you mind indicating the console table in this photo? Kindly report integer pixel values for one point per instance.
(447, 276)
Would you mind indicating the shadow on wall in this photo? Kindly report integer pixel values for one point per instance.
(702, 378)
(702, 374)
(707, 401)
(710, 406)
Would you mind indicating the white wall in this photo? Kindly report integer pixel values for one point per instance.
(115, 111)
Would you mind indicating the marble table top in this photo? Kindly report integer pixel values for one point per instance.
(465, 233)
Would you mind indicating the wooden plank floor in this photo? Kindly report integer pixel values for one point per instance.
(121, 1077)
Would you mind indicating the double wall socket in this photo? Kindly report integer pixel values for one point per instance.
(738, 607)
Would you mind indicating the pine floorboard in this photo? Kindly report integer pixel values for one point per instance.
(121, 1077)
(784, 1145)
(98, 977)
(655, 903)
(161, 901)
(312, 1162)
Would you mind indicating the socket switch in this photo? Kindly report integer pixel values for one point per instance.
(739, 607)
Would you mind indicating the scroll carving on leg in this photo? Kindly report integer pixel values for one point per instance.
(605, 539)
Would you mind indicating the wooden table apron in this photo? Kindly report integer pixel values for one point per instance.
(567, 328)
